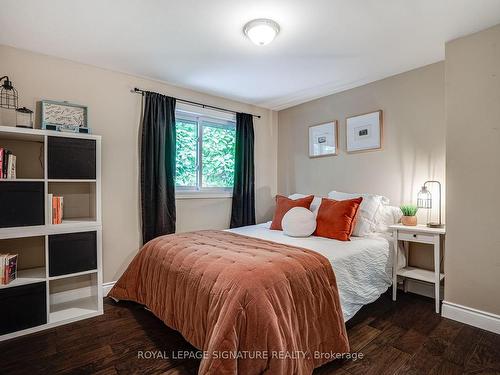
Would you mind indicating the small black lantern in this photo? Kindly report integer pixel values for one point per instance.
(8, 94)
(24, 118)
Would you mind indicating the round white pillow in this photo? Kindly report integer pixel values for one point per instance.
(299, 222)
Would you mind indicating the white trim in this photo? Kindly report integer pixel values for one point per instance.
(203, 195)
(468, 315)
(106, 288)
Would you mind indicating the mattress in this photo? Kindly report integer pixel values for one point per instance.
(363, 266)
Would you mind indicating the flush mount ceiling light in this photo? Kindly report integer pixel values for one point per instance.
(261, 31)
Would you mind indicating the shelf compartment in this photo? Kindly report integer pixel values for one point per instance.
(29, 156)
(71, 158)
(79, 200)
(23, 307)
(22, 204)
(30, 261)
(72, 253)
(73, 298)
(419, 274)
(21, 134)
(73, 309)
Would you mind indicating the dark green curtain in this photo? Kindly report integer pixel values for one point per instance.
(243, 209)
(158, 166)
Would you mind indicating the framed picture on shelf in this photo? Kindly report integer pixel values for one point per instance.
(64, 116)
(323, 139)
(364, 132)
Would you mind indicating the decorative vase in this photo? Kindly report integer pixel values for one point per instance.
(409, 220)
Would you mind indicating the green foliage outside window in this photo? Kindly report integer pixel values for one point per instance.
(186, 153)
(217, 154)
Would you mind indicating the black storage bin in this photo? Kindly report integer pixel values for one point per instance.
(70, 158)
(23, 307)
(21, 204)
(72, 252)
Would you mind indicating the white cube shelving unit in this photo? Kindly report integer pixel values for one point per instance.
(69, 296)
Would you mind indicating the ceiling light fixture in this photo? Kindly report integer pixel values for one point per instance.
(261, 31)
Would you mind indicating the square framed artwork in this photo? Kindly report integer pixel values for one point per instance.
(323, 139)
(364, 132)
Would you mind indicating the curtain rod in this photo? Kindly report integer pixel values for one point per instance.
(139, 91)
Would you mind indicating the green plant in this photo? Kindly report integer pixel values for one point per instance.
(409, 209)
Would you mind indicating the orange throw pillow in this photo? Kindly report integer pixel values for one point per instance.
(336, 219)
(284, 204)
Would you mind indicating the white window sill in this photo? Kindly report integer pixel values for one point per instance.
(203, 195)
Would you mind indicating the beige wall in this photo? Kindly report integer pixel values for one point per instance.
(114, 113)
(473, 170)
(413, 145)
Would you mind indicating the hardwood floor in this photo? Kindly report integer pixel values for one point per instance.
(403, 337)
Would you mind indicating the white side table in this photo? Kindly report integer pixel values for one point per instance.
(421, 234)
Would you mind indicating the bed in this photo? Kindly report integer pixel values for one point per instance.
(363, 266)
(254, 300)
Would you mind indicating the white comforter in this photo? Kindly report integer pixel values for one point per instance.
(362, 266)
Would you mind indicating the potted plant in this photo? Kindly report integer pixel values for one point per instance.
(409, 214)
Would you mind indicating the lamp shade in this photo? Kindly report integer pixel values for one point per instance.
(424, 198)
(8, 94)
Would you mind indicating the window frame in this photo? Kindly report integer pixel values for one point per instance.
(198, 191)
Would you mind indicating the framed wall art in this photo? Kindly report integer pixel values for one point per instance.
(364, 132)
(323, 139)
(64, 116)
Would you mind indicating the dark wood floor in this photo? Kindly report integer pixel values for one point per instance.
(405, 337)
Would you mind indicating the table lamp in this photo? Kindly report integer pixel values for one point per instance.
(424, 200)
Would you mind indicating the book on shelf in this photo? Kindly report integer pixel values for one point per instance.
(50, 208)
(57, 209)
(11, 167)
(7, 164)
(8, 268)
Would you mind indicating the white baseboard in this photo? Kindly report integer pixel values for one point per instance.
(468, 315)
(106, 288)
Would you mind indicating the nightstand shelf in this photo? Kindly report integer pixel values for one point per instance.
(418, 234)
(419, 274)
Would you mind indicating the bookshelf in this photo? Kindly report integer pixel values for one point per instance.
(59, 277)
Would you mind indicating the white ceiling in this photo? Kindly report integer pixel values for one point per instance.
(325, 46)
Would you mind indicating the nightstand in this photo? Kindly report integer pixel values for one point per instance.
(420, 234)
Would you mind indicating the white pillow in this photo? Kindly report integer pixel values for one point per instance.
(366, 222)
(299, 222)
(387, 215)
(314, 204)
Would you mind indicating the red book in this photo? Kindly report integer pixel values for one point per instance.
(57, 210)
(10, 268)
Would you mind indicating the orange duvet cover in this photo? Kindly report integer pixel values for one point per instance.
(252, 306)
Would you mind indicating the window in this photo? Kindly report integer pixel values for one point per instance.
(205, 154)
